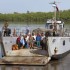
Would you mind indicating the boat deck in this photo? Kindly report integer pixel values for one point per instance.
(35, 57)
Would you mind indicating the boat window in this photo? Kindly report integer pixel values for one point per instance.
(51, 26)
(60, 26)
(64, 42)
(46, 25)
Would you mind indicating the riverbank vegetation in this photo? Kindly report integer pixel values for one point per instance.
(35, 16)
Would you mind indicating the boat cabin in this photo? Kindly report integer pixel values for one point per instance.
(57, 26)
(50, 24)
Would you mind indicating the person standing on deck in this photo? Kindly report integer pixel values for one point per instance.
(27, 40)
(38, 39)
(46, 40)
(31, 42)
(18, 42)
(34, 39)
(43, 41)
(22, 42)
(5, 27)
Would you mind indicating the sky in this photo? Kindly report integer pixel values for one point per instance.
(22, 6)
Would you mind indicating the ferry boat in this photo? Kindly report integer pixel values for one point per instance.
(58, 42)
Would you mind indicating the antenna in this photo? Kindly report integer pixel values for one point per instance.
(54, 4)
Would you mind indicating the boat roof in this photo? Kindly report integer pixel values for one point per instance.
(51, 21)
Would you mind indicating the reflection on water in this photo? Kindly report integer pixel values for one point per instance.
(62, 64)
(22, 68)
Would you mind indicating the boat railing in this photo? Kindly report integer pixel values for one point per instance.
(67, 32)
(16, 31)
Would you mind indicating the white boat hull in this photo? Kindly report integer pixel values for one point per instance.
(62, 48)
(58, 46)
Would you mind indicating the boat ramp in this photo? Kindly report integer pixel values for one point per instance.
(26, 57)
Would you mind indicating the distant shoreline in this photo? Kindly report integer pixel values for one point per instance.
(34, 16)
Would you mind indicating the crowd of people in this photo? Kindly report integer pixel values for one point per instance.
(32, 40)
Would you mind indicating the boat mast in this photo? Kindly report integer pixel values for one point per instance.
(54, 6)
(54, 12)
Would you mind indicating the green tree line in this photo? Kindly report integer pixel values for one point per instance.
(35, 16)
